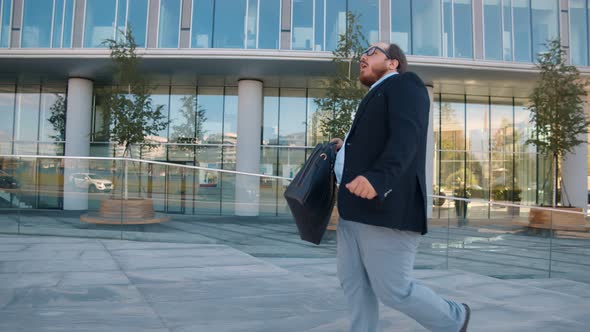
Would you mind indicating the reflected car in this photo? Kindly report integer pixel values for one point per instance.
(91, 182)
(8, 181)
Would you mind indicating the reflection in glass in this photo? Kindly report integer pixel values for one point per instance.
(314, 132)
(229, 23)
(36, 23)
(463, 29)
(161, 96)
(7, 101)
(137, 20)
(401, 24)
(211, 100)
(269, 188)
(292, 117)
(477, 180)
(369, 17)
(100, 15)
(448, 28)
(58, 11)
(53, 115)
(579, 32)
(270, 117)
(230, 116)
(302, 30)
(522, 30)
(27, 114)
(184, 118)
(545, 23)
(507, 31)
(6, 10)
(503, 186)
(319, 22)
(169, 25)
(335, 23)
(492, 15)
(269, 22)
(202, 24)
(426, 38)
(251, 19)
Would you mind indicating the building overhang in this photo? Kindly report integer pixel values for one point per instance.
(277, 68)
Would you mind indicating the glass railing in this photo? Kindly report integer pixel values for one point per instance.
(517, 241)
(158, 201)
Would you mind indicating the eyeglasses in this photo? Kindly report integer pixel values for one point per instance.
(371, 50)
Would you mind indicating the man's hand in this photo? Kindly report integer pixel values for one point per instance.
(338, 142)
(361, 187)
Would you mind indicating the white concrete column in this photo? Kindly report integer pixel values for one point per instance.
(575, 173)
(78, 120)
(430, 153)
(250, 98)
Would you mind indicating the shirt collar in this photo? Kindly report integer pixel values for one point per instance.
(383, 78)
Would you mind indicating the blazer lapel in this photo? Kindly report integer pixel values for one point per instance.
(362, 107)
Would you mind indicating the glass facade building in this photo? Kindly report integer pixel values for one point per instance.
(476, 56)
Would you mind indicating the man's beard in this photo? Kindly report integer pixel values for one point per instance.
(372, 77)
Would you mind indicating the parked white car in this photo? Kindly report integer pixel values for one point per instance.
(91, 182)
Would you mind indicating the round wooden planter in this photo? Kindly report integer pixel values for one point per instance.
(125, 211)
(556, 220)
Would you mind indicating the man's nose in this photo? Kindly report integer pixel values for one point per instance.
(364, 57)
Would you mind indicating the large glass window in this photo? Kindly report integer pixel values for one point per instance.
(579, 32)
(492, 17)
(229, 23)
(369, 17)
(210, 99)
(545, 23)
(136, 18)
(302, 30)
(335, 11)
(401, 24)
(36, 31)
(202, 24)
(99, 22)
(292, 117)
(522, 30)
(169, 24)
(463, 29)
(447, 28)
(507, 30)
(5, 15)
(426, 27)
(269, 22)
(45, 23)
(7, 99)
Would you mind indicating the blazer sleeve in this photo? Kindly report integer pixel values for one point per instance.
(405, 103)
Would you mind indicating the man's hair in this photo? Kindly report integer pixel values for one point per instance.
(395, 52)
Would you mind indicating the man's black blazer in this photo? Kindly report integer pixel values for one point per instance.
(387, 145)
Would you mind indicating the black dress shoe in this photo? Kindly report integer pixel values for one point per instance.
(467, 316)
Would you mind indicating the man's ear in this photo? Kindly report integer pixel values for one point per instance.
(394, 64)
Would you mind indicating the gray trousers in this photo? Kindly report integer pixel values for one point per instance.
(375, 264)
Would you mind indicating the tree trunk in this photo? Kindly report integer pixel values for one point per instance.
(555, 180)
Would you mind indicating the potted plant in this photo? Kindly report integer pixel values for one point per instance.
(559, 119)
(132, 117)
(461, 206)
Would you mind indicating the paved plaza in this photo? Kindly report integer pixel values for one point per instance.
(254, 274)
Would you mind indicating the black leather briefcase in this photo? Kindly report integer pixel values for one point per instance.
(312, 193)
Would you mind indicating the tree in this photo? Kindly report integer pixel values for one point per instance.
(130, 110)
(557, 108)
(58, 117)
(344, 91)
